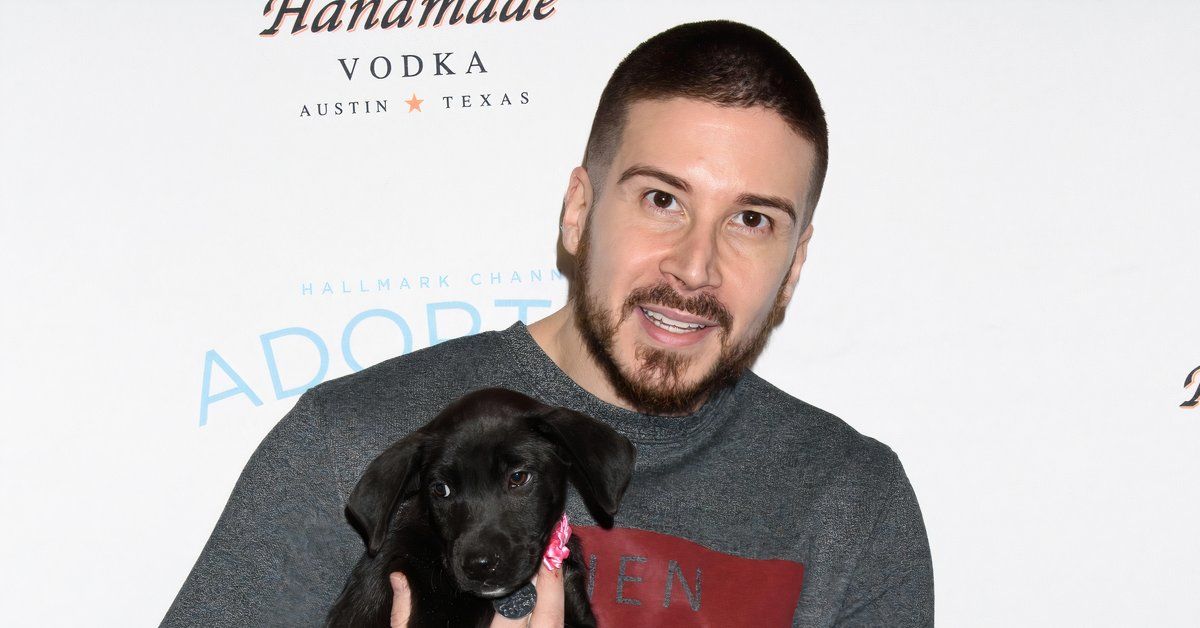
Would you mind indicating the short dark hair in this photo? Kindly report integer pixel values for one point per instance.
(722, 62)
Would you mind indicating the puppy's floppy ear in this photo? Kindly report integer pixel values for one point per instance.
(388, 478)
(601, 459)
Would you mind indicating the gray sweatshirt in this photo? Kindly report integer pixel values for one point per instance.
(757, 510)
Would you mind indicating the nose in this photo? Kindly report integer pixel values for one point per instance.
(691, 264)
(480, 565)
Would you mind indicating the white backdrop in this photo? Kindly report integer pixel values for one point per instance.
(1001, 286)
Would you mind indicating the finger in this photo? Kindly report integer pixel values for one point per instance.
(549, 612)
(401, 600)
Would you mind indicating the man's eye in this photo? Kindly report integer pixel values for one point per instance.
(752, 219)
(440, 489)
(660, 199)
(518, 478)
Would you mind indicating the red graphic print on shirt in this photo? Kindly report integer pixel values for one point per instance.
(642, 578)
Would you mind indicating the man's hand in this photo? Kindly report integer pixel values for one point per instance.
(548, 613)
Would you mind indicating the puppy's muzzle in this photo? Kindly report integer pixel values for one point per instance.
(490, 567)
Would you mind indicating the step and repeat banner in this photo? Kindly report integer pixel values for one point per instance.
(209, 207)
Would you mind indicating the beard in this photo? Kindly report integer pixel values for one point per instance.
(654, 384)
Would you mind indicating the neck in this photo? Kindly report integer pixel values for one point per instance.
(558, 336)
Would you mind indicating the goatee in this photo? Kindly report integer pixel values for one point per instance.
(654, 384)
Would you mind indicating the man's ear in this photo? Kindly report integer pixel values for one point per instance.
(793, 276)
(577, 204)
(387, 480)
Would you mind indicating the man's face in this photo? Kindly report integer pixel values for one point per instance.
(691, 249)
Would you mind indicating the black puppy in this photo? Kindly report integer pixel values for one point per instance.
(465, 507)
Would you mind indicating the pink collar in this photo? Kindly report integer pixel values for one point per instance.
(557, 551)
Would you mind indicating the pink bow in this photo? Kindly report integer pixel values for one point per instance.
(557, 551)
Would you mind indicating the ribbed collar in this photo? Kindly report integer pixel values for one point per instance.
(557, 388)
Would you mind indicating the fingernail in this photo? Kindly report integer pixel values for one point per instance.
(399, 581)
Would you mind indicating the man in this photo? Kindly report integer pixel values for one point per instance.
(689, 221)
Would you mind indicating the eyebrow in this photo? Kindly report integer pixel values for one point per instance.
(754, 200)
(647, 171)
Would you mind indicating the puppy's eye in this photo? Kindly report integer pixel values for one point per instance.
(440, 489)
(518, 478)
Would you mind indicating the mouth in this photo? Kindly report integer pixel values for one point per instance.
(674, 327)
(494, 592)
(489, 589)
(677, 324)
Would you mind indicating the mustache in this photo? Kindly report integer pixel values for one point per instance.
(704, 305)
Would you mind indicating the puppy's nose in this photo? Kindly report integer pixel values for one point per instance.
(480, 565)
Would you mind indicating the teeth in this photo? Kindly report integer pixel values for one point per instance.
(670, 324)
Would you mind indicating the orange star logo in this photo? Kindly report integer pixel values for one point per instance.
(414, 103)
